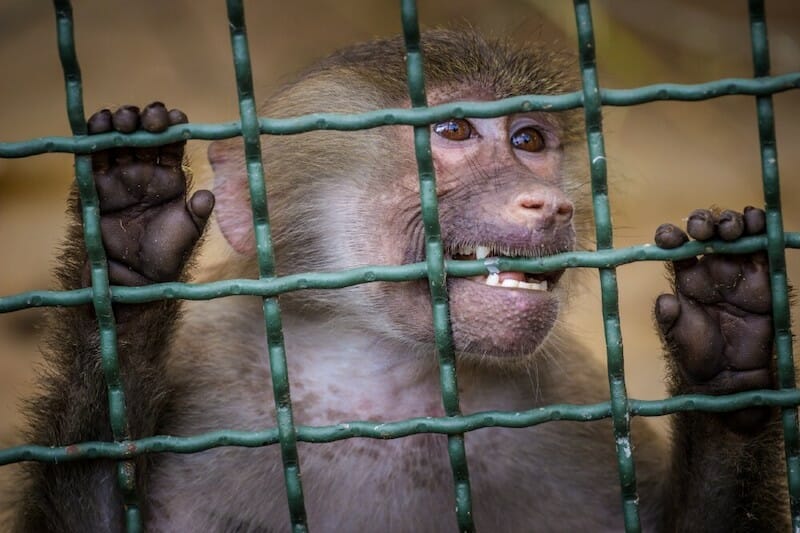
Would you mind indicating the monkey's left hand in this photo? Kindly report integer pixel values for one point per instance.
(718, 325)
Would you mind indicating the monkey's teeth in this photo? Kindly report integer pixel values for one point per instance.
(493, 280)
(481, 252)
(534, 286)
(531, 286)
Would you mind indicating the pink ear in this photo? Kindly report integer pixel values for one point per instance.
(232, 207)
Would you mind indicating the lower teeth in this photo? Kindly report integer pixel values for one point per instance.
(494, 281)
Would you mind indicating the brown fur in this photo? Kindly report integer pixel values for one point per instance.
(345, 199)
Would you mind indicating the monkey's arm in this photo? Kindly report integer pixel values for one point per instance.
(727, 468)
(149, 231)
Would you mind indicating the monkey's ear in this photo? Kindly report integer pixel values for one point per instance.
(232, 194)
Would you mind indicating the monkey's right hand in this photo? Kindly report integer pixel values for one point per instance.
(149, 229)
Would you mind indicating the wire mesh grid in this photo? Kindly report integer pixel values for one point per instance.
(620, 408)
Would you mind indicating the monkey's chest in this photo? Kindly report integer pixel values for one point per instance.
(396, 485)
(517, 476)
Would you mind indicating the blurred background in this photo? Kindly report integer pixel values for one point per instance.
(665, 159)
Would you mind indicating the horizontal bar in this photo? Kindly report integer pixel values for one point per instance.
(399, 429)
(368, 274)
(411, 117)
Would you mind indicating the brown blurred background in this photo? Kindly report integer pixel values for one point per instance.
(665, 158)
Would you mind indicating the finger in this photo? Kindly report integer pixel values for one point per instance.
(700, 224)
(669, 236)
(755, 220)
(200, 206)
(667, 310)
(178, 232)
(155, 118)
(696, 343)
(730, 225)
(172, 154)
(100, 122)
(126, 119)
(176, 116)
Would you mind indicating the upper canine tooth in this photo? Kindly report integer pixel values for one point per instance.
(481, 252)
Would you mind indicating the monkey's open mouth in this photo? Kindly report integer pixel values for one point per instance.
(512, 280)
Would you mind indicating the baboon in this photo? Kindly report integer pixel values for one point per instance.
(507, 186)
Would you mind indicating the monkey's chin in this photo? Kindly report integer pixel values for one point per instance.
(498, 322)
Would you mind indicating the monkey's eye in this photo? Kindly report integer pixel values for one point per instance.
(455, 129)
(529, 139)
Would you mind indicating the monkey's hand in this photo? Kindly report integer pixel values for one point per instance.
(148, 227)
(717, 326)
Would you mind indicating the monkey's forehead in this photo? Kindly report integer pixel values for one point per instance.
(458, 91)
(462, 55)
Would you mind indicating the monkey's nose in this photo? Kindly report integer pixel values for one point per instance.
(546, 207)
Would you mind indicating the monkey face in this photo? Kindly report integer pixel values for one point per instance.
(352, 200)
(501, 192)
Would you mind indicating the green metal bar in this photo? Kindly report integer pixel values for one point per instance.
(69, 63)
(620, 410)
(369, 274)
(266, 264)
(776, 254)
(411, 117)
(399, 429)
(101, 294)
(434, 259)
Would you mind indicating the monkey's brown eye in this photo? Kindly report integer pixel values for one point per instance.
(455, 129)
(529, 139)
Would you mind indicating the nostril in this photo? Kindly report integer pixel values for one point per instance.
(547, 205)
(565, 209)
(531, 202)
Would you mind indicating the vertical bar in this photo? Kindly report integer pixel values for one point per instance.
(776, 254)
(266, 264)
(608, 278)
(434, 258)
(101, 294)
